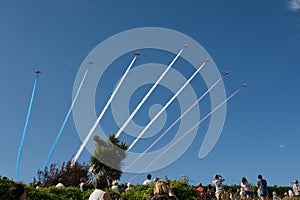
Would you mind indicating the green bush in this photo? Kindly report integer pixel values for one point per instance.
(71, 193)
(183, 190)
(5, 186)
(138, 192)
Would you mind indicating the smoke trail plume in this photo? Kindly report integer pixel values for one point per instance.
(25, 128)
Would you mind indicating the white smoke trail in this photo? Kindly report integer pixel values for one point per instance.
(175, 122)
(85, 141)
(187, 132)
(167, 104)
(148, 94)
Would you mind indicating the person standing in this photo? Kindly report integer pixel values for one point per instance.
(262, 188)
(245, 188)
(209, 192)
(296, 188)
(218, 182)
(100, 186)
(201, 191)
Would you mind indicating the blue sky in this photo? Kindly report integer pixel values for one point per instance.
(257, 41)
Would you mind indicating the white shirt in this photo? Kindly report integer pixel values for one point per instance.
(60, 185)
(295, 190)
(147, 181)
(245, 187)
(291, 193)
(218, 184)
(97, 195)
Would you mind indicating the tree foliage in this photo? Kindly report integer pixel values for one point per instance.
(108, 157)
(70, 175)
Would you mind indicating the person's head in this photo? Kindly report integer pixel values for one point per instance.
(259, 176)
(17, 192)
(149, 176)
(296, 181)
(156, 179)
(101, 182)
(60, 180)
(129, 184)
(161, 188)
(114, 183)
(216, 176)
(244, 180)
(82, 180)
(274, 193)
(200, 185)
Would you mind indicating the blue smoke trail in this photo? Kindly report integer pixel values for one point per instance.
(64, 123)
(25, 129)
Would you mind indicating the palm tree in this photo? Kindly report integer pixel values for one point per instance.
(108, 157)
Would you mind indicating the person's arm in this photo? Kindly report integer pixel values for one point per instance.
(223, 179)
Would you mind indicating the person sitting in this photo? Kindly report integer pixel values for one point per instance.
(275, 196)
(129, 187)
(17, 192)
(115, 187)
(60, 184)
(148, 180)
(83, 184)
(100, 186)
(38, 185)
(285, 196)
(162, 191)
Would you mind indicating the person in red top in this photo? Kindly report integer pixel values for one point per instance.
(201, 190)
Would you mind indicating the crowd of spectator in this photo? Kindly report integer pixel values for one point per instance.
(163, 189)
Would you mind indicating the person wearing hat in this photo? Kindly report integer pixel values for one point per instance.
(115, 187)
(296, 188)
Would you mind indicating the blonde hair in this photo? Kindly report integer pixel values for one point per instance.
(161, 188)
